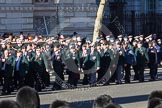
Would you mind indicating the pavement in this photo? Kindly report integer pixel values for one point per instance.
(133, 95)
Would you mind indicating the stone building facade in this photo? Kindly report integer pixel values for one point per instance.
(47, 17)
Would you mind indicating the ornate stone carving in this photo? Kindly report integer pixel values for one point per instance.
(77, 8)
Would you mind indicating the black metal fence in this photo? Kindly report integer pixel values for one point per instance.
(136, 23)
(146, 24)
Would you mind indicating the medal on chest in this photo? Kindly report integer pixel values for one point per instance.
(94, 57)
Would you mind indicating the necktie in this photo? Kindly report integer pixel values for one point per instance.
(18, 63)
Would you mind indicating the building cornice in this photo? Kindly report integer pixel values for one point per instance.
(16, 8)
(67, 8)
(54, 7)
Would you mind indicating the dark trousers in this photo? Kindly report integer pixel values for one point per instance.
(1, 77)
(141, 68)
(92, 78)
(156, 70)
(153, 71)
(46, 78)
(39, 84)
(19, 81)
(119, 73)
(30, 76)
(101, 73)
(73, 78)
(59, 78)
(113, 74)
(7, 84)
(16, 77)
(127, 73)
(85, 79)
(29, 79)
(136, 75)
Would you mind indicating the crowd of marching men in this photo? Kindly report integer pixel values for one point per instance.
(28, 60)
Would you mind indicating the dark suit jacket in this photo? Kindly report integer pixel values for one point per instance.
(9, 64)
(40, 63)
(58, 65)
(92, 61)
(23, 66)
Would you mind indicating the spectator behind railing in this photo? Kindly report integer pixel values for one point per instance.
(28, 98)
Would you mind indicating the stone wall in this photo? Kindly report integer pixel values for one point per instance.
(71, 15)
(77, 15)
(16, 15)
